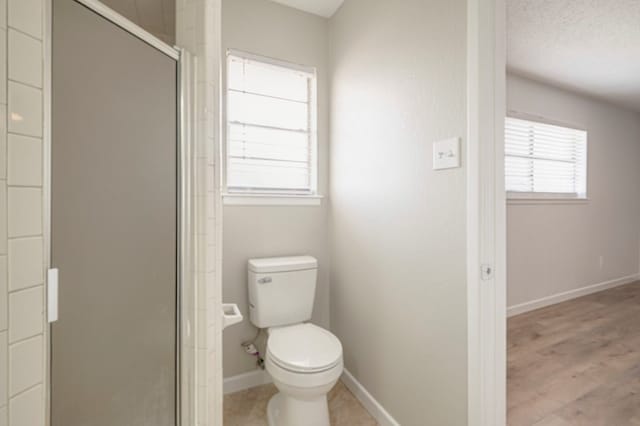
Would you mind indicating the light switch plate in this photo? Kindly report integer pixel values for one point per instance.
(446, 154)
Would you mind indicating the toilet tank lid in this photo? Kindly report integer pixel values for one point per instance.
(282, 264)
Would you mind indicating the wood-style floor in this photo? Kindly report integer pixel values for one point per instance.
(577, 363)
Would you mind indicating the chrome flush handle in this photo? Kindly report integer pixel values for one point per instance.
(265, 280)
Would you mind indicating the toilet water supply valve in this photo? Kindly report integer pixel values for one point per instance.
(252, 349)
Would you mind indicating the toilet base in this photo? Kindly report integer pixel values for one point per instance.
(283, 410)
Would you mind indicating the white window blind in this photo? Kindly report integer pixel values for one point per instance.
(271, 141)
(544, 159)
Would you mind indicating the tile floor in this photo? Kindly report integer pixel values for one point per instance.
(249, 407)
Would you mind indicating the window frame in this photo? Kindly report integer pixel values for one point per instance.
(252, 196)
(517, 197)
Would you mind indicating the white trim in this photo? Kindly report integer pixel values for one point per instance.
(521, 308)
(305, 69)
(533, 201)
(129, 26)
(187, 324)
(271, 200)
(486, 212)
(246, 381)
(47, 73)
(370, 404)
(498, 373)
(543, 196)
(542, 119)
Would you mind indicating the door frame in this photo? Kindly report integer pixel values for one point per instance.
(486, 212)
(183, 222)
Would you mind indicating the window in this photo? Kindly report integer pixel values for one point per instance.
(271, 135)
(544, 161)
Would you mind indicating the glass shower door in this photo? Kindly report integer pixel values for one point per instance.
(113, 224)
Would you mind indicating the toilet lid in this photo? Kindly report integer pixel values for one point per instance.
(304, 348)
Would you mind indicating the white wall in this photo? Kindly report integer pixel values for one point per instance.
(554, 248)
(22, 249)
(398, 282)
(273, 30)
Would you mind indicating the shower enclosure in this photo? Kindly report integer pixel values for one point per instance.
(115, 223)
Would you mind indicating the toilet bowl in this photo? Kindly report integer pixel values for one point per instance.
(305, 362)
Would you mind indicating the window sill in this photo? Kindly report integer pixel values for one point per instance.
(271, 200)
(531, 201)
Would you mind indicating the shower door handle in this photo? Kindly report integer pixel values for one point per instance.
(52, 295)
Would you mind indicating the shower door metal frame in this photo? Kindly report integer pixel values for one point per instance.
(131, 27)
(184, 176)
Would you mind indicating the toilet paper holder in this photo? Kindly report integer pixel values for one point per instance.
(230, 315)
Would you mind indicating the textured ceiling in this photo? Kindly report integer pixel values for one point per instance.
(324, 8)
(592, 46)
(156, 16)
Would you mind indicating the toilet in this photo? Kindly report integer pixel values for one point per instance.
(304, 360)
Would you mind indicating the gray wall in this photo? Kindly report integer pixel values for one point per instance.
(269, 29)
(553, 248)
(156, 16)
(398, 282)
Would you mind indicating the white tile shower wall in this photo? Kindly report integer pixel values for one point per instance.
(3, 128)
(25, 58)
(197, 30)
(4, 374)
(4, 297)
(24, 155)
(22, 327)
(25, 359)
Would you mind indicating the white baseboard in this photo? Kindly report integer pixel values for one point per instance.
(246, 381)
(260, 377)
(568, 295)
(374, 408)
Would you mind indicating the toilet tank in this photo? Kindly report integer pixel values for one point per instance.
(281, 290)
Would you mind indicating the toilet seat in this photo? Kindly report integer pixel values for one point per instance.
(304, 349)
